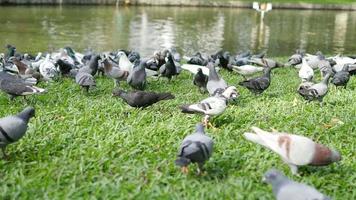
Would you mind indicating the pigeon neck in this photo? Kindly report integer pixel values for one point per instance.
(268, 73)
(24, 116)
(212, 73)
(107, 65)
(326, 79)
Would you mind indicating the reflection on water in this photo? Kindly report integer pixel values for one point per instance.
(147, 29)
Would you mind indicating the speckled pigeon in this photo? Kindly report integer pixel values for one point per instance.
(286, 189)
(195, 148)
(316, 91)
(295, 150)
(12, 128)
(141, 99)
(211, 106)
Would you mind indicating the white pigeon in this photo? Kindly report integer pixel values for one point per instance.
(211, 106)
(124, 62)
(306, 73)
(246, 70)
(194, 68)
(295, 150)
(48, 69)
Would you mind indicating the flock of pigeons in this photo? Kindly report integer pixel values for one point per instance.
(21, 72)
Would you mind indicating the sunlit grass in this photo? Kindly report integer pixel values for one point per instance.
(94, 145)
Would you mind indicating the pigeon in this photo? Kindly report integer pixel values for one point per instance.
(211, 106)
(306, 73)
(48, 69)
(113, 71)
(285, 189)
(197, 59)
(64, 67)
(265, 62)
(175, 54)
(92, 67)
(141, 99)
(194, 69)
(11, 50)
(246, 70)
(342, 77)
(200, 80)
(169, 69)
(241, 59)
(296, 58)
(316, 91)
(137, 77)
(124, 63)
(195, 148)
(259, 84)
(295, 150)
(214, 82)
(13, 128)
(85, 80)
(133, 56)
(22, 67)
(319, 62)
(223, 59)
(17, 87)
(304, 85)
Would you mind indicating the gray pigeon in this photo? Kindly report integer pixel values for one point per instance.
(316, 91)
(17, 87)
(12, 128)
(195, 148)
(342, 77)
(200, 80)
(85, 80)
(137, 77)
(296, 58)
(286, 189)
(214, 82)
(142, 99)
(259, 84)
(93, 65)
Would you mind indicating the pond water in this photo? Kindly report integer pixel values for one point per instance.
(147, 29)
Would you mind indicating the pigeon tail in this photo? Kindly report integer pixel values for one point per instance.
(186, 109)
(165, 96)
(181, 161)
(254, 138)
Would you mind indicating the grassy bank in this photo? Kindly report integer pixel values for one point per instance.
(82, 146)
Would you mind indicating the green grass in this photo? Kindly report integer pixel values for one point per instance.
(94, 146)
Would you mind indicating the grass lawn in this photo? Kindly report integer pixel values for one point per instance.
(85, 146)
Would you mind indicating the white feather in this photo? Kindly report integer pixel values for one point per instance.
(194, 68)
(306, 72)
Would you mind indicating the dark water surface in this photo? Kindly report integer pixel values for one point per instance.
(190, 29)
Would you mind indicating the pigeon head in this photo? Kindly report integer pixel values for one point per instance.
(27, 114)
(273, 177)
(199, 71)
(118, 92)
(199, 128)
(120, 53)
(230, 93)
